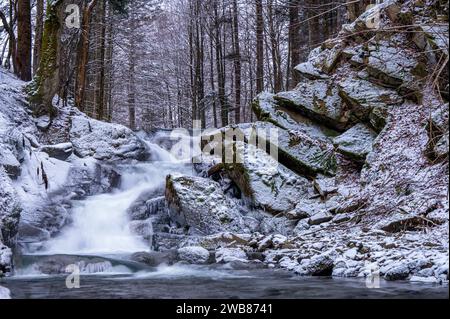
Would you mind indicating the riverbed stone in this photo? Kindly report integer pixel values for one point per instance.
(226, 255)
(194, 255)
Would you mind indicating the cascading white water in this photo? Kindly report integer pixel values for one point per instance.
(101, 223)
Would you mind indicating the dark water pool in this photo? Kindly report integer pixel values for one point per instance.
(195, 283)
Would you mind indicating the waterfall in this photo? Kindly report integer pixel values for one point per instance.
(101, 223)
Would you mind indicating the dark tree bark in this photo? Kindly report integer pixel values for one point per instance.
(237, 63)
(294, 42)
(39, 29)
(45, 84)
(259, 46)
(83, 55)
(275, 47)
(24, 40)
(9, 27)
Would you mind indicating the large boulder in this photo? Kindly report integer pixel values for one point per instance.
(364, 96)
(200, 205)
(356, 143)
(268, 184)
(267, 109)
(105, 141)
(318, 100)
(397, 67)
(296, 149)
(321, 61)
(194, 255)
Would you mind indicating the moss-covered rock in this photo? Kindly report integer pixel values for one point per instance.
(305, 155)
(267, 109)
(318, 100)
(395, 66)
(364, 97)
(356, 143)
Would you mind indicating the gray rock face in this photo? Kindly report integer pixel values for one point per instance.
(305, 155)
(5, 260)
(194, 255)
(321, 61)
(318, 100)
(356, 143)
(155, 259)
(104, 141)
(267, 109)
(10, 163)
(200, 205)
(364, 96)
(396, 67)
(226, 255)
(320, 218)
(268, 184)
(320, 265)
(60, 151)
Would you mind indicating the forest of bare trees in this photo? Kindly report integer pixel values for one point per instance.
(155, 63)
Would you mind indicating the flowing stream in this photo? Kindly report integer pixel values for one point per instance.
(100, 229)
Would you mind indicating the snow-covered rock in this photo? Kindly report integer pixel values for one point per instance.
(363, 97)
(200, 205)
(10, 210)
(105, 141)
(5, 293)
(320, 218)
(356, 143)
(59, 151)
(194, 255)
(318, 100)
(268, 184)
(320, 265)
(226, 255)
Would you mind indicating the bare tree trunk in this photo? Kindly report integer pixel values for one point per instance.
(39, 29)
(213, 86)
(275, 47)
(259, 46)
(100, 87)
(45, 84)
(294, 42)
(132, 89)
(237, 63)
(83, 55)
(9, 27)
(220, 68)
(24, 40)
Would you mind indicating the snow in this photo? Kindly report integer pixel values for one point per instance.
(193, 255)
(4, 293)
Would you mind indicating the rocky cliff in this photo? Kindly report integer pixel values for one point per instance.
(362, 178)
